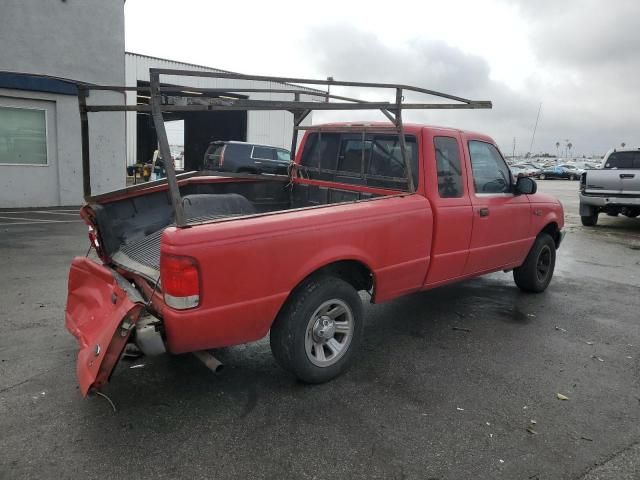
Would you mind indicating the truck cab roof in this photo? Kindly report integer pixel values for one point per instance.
(409, 128)
(621, 149)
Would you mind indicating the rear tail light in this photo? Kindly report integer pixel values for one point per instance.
(180, 279)
(93, 238)
(222, 155)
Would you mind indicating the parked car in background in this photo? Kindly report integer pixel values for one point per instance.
(178, 161)
(243, 157)
(584, 165)
(530, 169)
(565, 171)
(518, 171)
(614, 189)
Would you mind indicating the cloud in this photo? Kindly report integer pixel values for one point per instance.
(350, 54)
(586, 80)
(584, 33)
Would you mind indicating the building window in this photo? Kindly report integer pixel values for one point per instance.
(23, 136)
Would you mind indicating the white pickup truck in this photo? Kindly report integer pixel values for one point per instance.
(614, 190)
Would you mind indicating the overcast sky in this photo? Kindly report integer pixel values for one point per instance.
(579, 58)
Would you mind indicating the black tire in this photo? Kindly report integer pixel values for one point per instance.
(288, 336)
(535, 274)
(573, 177)
(542, 176)
(589, 220)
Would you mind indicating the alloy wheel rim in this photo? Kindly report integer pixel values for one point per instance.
(329, 332)
(543, 265)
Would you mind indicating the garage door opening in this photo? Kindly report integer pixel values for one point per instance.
(189, 132)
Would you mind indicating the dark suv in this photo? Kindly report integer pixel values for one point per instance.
(231, 156)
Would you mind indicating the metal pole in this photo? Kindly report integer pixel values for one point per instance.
(165, 151)
(329, 79)
(403, 143)
(388, 115)
(294, 137)
(535, 128)
(84, 134)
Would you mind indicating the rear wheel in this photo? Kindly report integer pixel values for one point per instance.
(573, 177)
(589, 220)
(318, 330)
(542, 176)
(535, 274)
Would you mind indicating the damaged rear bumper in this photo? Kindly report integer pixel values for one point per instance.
(102, 310)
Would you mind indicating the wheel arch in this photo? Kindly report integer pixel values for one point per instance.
(553, 230)
(355, 272)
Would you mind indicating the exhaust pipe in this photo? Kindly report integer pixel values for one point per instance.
(211, 362)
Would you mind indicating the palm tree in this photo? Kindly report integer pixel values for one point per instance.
(557, 149)
(569, 145)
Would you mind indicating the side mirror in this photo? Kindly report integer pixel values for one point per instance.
(526, 186)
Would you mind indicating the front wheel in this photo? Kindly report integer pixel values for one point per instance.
(535, 274)
(316, 334)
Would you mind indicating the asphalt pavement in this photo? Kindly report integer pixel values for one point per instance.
(459, 382)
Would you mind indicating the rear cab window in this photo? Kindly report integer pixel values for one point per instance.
(622, 160)
(372, 159)
(491, 175)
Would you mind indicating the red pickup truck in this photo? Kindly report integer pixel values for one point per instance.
(288, 255)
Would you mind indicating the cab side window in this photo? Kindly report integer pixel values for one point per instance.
(490, 172)
(448, 167)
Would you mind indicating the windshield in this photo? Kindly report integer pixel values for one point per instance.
(283, 155)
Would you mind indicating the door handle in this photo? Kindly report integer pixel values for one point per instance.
(627, 175)
(484, 212)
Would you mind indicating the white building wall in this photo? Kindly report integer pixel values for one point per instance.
(269, 127)
(81, 41)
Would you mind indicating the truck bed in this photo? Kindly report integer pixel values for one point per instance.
(131, 228)
(142, 255)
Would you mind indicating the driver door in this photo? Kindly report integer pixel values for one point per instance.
(501, 219)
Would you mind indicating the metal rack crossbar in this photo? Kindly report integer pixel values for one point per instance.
(162, 98)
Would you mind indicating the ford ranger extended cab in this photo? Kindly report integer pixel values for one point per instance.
(387, 209)
(614, 189)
